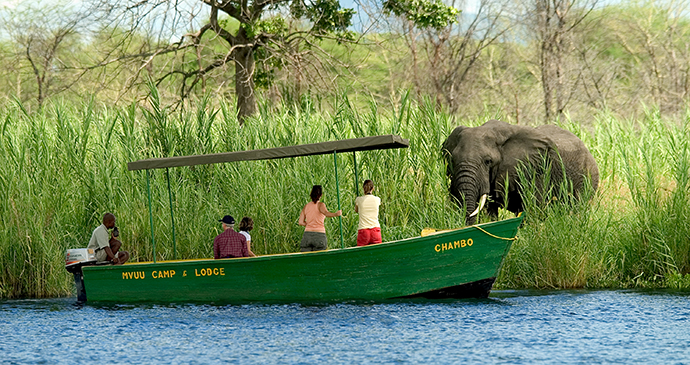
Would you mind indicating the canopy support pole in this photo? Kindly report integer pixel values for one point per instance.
(337, 189)
(354, 161)
(172, 216)
(148, 191)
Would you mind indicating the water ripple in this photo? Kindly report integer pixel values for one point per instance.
(512, 327)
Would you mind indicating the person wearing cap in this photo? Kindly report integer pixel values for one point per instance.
(106, 245)
(229, 243)
(312, 217)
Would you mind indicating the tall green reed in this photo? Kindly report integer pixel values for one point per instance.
(61, 169)
(634, 232)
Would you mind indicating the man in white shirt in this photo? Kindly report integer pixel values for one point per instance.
(369, 229)
(105, 244)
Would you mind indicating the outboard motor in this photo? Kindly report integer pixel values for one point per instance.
(75, 259)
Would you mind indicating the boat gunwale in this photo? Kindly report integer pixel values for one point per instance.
(287, 255)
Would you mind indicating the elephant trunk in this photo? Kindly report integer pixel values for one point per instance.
(470, 206)
(482, 201)
(467, 188)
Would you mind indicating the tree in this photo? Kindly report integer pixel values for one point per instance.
(44, 37)
(654, 35)
(551, 22)
(454, 52)
(417, 16)
(258, 36)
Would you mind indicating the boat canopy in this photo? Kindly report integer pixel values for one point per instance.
(353, 145)
(346, 145)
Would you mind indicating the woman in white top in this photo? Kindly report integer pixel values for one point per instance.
(369, 229)
(246, 225)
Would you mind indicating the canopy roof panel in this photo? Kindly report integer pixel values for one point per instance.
(384, 142)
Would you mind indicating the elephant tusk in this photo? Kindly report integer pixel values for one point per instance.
(482, 200)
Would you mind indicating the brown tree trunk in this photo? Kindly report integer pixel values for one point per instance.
(244, 83)
(547, 82)
(412, 44)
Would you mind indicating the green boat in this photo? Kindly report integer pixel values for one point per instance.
(461, 263)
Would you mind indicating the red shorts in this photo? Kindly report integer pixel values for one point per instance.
(369, 236)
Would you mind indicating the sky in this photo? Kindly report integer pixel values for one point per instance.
(469, 7)
(8, 3)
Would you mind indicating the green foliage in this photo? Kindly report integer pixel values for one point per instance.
(634, 233)
(61, 169)
(231, 24)
(275, 26)
(423, 13)
(267, 63)
(326, 16)
(678, 281)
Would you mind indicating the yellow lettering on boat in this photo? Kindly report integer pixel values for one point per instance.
(440, 247)
(163, 274)
(209, 272)
(133, 275)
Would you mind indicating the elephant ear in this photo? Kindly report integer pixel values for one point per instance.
(449, 145)
(524, 147)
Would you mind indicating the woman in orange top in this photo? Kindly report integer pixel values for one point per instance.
(312, 218)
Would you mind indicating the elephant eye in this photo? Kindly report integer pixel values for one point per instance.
(488, 161)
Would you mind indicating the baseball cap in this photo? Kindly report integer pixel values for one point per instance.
(228, 219)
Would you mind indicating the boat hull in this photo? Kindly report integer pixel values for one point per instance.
(454, 264)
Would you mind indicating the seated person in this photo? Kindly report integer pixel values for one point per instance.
(107, 245)
(229, 243)
(246, 225)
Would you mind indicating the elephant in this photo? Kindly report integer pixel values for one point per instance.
(481, 160)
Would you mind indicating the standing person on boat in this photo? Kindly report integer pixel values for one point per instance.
(246, 225)
(106, 245)
(229, 243)
(369, 229)
(312, 218)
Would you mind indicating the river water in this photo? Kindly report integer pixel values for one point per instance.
(511, 327)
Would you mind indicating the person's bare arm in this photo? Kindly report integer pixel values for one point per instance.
(302, 218)
(324, 211)
(249, 248)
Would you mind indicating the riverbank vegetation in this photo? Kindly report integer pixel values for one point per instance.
(62, 168)
(77, 103)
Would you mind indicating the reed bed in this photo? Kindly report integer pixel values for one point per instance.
(61, 169)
